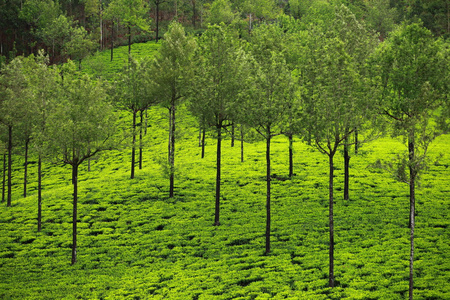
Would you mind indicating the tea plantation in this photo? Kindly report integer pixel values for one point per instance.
(135, 242)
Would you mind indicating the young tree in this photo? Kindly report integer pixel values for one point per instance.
(133, 92)
(413, 75)
(265, 40)
(331, 106)
(79, 45)
(169, 73)
(14, 98)
(130, 13)
(157, 4)
(265, 111)
(221, 68)
(44, 82)
(81, 125)
(359, 44)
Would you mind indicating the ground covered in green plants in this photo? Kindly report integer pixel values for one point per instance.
(136, 243)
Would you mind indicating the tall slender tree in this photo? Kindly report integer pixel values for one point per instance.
(169, 73)
(44, 82)
(81, 125)
(14, 106)
(331, 107)
(265, 111)
(221, 69)
(412, 71)
(133, 92)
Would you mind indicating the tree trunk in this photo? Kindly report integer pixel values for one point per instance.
(4, 177)
(242, 143)
(133, 146)
(291, 155)
(39, 216)
(199, 136)
(112, 41)
(194, 13)
(268, 137)
(331, 224)
(25, 169)
(346, 170)
(140, 141)
(172, 149)
(8, 200)
(203, 142)
(218, 169)
(412, 206)
(129, 42)
(74, 220)
(232, 135)
(157, 21)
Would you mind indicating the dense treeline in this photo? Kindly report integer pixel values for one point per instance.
(324, 76)
(73, 29)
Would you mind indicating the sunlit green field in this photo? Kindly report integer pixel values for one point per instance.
(136, 243)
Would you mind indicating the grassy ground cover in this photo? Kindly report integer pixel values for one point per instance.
(135, 243)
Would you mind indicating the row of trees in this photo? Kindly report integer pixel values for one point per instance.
(73, 29)
(324, 79)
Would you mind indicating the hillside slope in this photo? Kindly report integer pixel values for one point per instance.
(136, 243)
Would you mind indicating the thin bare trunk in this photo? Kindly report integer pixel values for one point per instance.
(74, 220)
(4, 177)
(412, 201)
(8, 201)
(140, 140)
(25, 169)
(157, 21)
(346, 170)
(291, 155)
(218, 174)
(39, 216)
(268, 191)
(129, 42)
(242, 143)
(331, 224)
(112, 41)
(133, 146)
(172, 150)
(203, 142)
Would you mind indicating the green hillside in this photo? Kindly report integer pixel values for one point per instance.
(101, 64)
(135, 242)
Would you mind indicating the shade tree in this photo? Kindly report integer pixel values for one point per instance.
(411, 69)
(81, 125)
(331, 106)
(132, 92)
(14, 106)
(270, 97)
(169, 74)
(359, 43)
(44, 82)
(218, 82)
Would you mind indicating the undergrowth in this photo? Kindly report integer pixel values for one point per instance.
(136, 243)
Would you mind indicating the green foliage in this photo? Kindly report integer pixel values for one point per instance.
(171, 66)
(219, 77)
(221, 12)
(412, 75)
(80, 44)
(82, 122)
